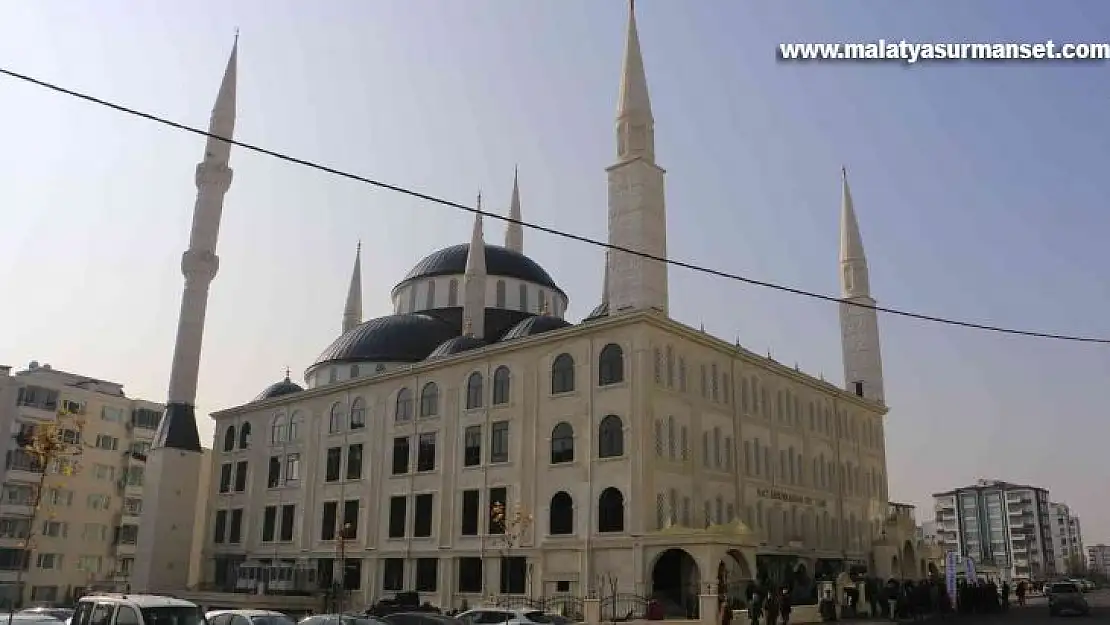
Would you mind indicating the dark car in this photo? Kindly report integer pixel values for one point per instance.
(401, 602)
(339, 619)
(420, 618)
(1067, 597)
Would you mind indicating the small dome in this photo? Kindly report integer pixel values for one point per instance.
(500, 261)
(457, 345)
(535, 325)
(278, 389)
(602, 310)
(394, 338)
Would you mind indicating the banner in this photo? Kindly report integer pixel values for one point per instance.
(950, 575)
(971, 576)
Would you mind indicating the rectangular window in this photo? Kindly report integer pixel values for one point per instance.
(422, 516)
(240, 476)
(219, 527)
(235, 536)
(225, 478)
(273, 472)
(393, 574)
(427, 572)
(350, 519)
(398, 511)
(498, 499)
(328, 520)
(426, 452)
(472, 446)
(400, 455)
(269, 521)
(470, 574)
(499, 442)
(514, 571)
(332, 464)
(354, 462)
(292, 467)
(470, 512)
(288, 516)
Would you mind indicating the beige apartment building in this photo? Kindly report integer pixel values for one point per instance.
(83, 534)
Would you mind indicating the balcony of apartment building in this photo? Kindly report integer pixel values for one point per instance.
(17, 499)
(11, 559)
(23, 467)
(37, 403)
(127, 534)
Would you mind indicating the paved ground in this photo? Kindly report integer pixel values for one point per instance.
(1035, 613)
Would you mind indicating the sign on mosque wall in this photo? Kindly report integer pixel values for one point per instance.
(781, 495)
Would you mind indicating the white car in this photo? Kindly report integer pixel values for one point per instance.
(128, 609)
(492, 616)
(20, 618)
(247, 617)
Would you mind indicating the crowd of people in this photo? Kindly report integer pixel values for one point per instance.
(893, 600)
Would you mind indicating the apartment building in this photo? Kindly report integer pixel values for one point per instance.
(83, 532)
(1098, 559)
(1000, 523)
(1067, 540)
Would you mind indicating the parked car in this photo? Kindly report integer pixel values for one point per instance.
(1064, 597)
(339, 619)
(247, 617)
(419, 618)
(62, 614)
(401, 602)
(492, 616)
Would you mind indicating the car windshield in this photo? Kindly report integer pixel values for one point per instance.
(1063, 588)
(173, 615)
(272, 619)
(537, 617)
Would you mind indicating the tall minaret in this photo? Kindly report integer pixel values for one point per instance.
(172, 472)
(637, 212)
(859, 327)
(352, 312)
(474, 281)
(514, 232)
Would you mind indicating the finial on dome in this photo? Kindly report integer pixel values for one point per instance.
(769, 354)
(545, 308)
(479, 200)
(701, 327)
(468, 328)
(287, 374)
(796, 367)
(737, 342)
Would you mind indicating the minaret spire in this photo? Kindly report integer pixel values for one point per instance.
(474, 280)
(859, 323)
(164, 545)
(514, 231)
(637, 202)
(352, 312)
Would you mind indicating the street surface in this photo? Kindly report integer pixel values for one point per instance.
(1034, 613)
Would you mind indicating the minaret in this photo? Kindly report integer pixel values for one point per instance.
(859, 326)
(352, 312)
(514, 231)
(637, 211)
(474, 281)
(173, 466)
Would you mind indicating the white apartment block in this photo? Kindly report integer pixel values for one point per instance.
(83, 534)
(1098, 559)
(1067, 540)
(1004, 524)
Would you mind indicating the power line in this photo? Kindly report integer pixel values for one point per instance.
(546, 229)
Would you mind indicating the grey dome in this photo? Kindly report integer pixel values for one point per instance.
(393, 338)
(601, 310)
(278, 389)
(535, 325)
(500, 261)
(457, 345)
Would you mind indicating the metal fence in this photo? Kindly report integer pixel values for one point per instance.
(565, 605)
(623, 606)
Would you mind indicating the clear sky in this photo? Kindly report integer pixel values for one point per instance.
(981, 191)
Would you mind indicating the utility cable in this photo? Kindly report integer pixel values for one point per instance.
(547, 229)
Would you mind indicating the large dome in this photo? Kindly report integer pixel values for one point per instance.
(395, 338)
(535, 325)
(500, 261)
(278, 389)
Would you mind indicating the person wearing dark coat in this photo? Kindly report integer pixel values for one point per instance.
(784, 606)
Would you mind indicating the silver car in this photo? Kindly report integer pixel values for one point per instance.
(1065, 597)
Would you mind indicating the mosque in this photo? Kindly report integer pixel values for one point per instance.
(476, 442)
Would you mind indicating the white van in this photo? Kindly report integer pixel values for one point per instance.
(127, 609)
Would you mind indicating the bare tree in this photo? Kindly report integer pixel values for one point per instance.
(51, 449)
(514, 527)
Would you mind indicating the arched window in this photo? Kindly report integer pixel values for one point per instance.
(403, 411)
(244, 436)
(610, 435)
(562, 374)
(294, 432)
(277, 430)
(500, 296)
(562, 443)
(229, 438)
(474, 391)
(430, 298)
(610, 365)
(610, 511)
(523, 297)
(358, 414)
(429, 400)
(335, 418)
(453, 293)
(501, 388)
(561, 515)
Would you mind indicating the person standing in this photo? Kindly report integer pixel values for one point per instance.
(784, 605)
